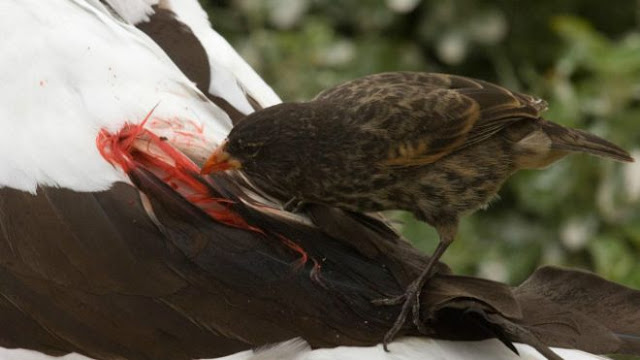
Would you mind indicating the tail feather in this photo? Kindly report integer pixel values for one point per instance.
(566, 139)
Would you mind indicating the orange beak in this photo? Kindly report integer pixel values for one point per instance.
(220, 160)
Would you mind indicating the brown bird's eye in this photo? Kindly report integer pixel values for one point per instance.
(252, 149)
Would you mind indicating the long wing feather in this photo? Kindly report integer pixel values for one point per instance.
(422, 117)
(230, 77)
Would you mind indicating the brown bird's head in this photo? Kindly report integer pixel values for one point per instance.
(268, 141)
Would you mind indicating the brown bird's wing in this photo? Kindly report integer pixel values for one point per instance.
(421, 117)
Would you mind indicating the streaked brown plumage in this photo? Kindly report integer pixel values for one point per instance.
(436, 145)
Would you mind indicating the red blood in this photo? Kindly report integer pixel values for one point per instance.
(123, 149)
(134, 146)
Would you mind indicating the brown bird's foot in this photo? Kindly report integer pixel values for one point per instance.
(410, 301)
(294, 205)
(411, 298)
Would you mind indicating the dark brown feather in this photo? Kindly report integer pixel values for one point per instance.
(431, 115)
(200, 289)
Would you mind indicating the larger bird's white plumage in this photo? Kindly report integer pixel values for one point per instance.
(21, 354)
(408, 348)
(133, 11)
(69, 69)
(228, 69)
(403, 349)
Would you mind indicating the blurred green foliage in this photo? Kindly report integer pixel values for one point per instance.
(582, 56)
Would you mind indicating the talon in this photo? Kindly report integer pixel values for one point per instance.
(417, 321)
(410, 301)
(400, 320)
(415, 310)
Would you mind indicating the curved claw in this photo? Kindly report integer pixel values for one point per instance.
(410, 301)
(411, 296)
(417, 321)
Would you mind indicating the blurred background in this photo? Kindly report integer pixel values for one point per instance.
(582, 56)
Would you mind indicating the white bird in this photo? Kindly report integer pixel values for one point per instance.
(87, 100)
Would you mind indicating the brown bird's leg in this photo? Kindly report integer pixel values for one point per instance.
(411, 298)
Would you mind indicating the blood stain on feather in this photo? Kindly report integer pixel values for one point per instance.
(136, 146)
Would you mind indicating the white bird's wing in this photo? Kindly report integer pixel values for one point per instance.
(225, 63)
(230, 77)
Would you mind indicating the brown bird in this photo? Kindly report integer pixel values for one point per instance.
(436, 145)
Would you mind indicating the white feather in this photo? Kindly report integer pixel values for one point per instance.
(21, 354)
(133, 11)
(69, 70)
(294, 349)
(409, 348)
(228, 69)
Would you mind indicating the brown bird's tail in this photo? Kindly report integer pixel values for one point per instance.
(567, 139)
